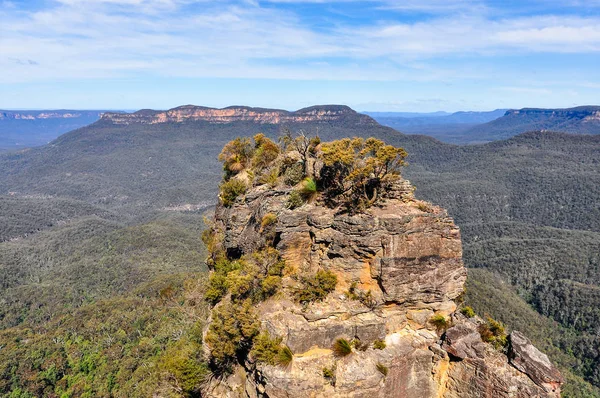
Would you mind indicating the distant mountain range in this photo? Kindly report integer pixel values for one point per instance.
(20, 129)
(526, 218)
(481, 127)
(579, 120)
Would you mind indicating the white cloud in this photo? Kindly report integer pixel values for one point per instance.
(104, 38)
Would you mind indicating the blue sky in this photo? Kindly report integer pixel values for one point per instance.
(376, 55)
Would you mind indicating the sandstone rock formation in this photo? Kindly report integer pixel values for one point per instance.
(236, 114)
(400, 275)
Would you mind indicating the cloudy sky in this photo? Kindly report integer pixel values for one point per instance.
(404, 55)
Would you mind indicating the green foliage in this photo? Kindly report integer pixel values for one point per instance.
(270, 350)
(235, 156)
(293, 174)
(120, 346)
(266, 349)
(357, 171)
(231, 332)
(379, 344)
(285, 356)
(440, 322)
(295, 200)
(493, 332)
(265, 152)
(316, 287)
(309, 188)
(268, 220)
(183, 360)
(230, 190)
(467, 311)
(341, 347)
(217, 288)
(382, 369)
(329, 374)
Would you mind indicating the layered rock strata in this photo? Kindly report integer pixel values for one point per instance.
(407, 254)
(325, 113)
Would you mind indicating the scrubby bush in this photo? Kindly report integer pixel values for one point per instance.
(265, 152)
(365, 297)
(357, 170)
(493, 332)
(379, 344)
(236, 156)
(217, 288)
(468, 312)
(231, 332)
(267, 220)
(308, 189)
(342, 347)
(295, 200)
(266, 348)
(230, 190)
(284, 356)
(316, 287)
(382, 369)
(184, 362)
(293, 174)
(440, 322)
(329, 374)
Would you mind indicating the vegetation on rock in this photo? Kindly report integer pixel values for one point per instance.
(467, 311)
(440, 322)
(316, 287)
(493, 332)
(342, 347)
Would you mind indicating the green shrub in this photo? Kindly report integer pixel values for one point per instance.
(184, 362)
(342, 347)
(217, 288)
(293, 174)
(265, 152)
(269, 177)
(284, 356)
(493, 332)
(439, 321)
(424, 207)
(329, 374)
(230, 190)
(295, 200)
(235, 156)
(468, 312)
(382, 369)
(267, 220)
(316, 287)
(308, 188)
(379, 344)
(231, 331)
(266, 349)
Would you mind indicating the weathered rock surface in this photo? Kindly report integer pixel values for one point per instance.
(408, 255)
(463, 341)
(528, 359)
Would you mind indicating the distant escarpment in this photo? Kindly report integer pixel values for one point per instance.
(579, 120)
(52, 114)
(236, 114)
(328, 278)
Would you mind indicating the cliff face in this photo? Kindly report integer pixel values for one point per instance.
(35, 115)
(236, 114)
(407, 254)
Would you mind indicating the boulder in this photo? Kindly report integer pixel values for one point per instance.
(531, 361)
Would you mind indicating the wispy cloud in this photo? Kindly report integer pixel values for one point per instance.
(99, 38)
